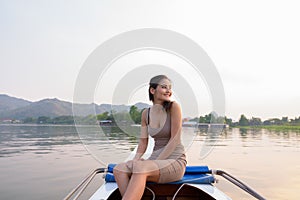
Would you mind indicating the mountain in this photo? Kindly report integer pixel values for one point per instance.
(45, 107)
(14, 108)
(8, 103)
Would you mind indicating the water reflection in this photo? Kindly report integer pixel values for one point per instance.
(249, 137)
(265, 160)
(20, 139)
(262, 158)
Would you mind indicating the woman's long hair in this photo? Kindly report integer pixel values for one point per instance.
(154, 82)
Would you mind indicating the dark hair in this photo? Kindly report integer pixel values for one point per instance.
(154, 82)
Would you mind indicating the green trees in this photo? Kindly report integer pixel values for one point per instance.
(243, 121)
(49, 120)
(295, 121)
(29, 120)
(104, 116)
(205, 119)
(228, 121)
(254, 121)
(122, 117)
(135, 114)
(212, 118)
(63, 120)
(43, 120)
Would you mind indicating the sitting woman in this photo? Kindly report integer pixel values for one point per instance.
(167, 163)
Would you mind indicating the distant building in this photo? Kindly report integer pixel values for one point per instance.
(6, 121)
(105, 123)
(189, 124)
(203, 125)
(10, 121)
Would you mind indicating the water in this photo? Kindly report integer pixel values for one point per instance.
(46, 162)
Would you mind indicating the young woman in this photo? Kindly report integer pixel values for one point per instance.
(167, 163)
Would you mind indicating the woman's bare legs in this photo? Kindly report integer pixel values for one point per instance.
(143, 171)
(122, 177)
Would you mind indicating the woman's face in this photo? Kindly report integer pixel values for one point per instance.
(163, 91)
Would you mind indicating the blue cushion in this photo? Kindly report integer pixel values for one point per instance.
(193, 174)
(196, 169)
(110, 167)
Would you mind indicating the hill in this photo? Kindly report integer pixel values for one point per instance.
(14, 108)
(8, 103)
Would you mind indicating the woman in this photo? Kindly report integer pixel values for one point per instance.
(167, 163)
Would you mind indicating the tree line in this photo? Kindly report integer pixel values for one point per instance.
(134, 115)
(255, 121)
(244, 121)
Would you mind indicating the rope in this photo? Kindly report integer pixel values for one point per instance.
(153, 194)
(178, 191)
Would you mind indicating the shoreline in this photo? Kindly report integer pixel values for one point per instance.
(272, 127)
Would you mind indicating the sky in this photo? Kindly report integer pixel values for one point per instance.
(254, 46)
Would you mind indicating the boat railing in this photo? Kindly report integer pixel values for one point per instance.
(80, 188)
(86, 181)
(238, 183)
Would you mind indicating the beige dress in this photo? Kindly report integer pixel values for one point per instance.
(172, 168)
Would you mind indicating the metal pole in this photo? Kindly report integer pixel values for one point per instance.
(85, 181)
(239, 184)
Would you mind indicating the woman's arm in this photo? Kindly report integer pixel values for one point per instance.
(143, 141)
(176, 123)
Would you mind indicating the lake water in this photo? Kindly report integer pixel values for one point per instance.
(46, 162)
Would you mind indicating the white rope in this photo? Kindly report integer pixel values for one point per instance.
(194, 179)
(153, 194)
(178, 191)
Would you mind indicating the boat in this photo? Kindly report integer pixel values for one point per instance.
(198, 182)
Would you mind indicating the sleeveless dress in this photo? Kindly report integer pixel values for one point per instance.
(172, 168)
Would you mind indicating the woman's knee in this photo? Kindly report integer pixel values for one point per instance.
(143, 167)
(137, 167)
(120, 169)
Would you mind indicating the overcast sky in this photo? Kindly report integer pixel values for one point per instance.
(254, 45)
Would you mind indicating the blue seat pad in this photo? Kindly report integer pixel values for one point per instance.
(193, 174)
